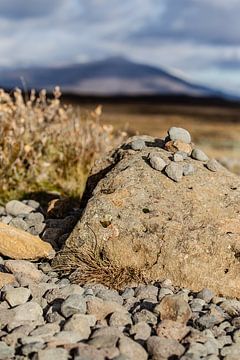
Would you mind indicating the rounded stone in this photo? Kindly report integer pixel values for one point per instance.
(15, 208)
(156, 161)
(199, 155)
(174, 171)
(177, 157)
(176, 133)
(213, 165)
(138, 144)
(188, 169)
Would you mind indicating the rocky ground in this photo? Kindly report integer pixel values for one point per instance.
(43, 316)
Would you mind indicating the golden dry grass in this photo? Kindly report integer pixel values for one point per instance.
(46, 146)
(85, 264)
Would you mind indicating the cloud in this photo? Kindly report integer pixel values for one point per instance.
(22, 9)
(197, 37)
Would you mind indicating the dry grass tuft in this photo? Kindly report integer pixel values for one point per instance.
(46, 146)
(85, 264)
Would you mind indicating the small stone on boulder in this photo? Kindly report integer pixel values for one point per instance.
(176, 133)
(174, 171)
(199, 155)
(157, 162)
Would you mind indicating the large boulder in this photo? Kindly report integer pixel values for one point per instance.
(142, 224)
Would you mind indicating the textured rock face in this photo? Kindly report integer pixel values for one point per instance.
(140, 219)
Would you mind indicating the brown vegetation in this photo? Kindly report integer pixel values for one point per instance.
(45, 145)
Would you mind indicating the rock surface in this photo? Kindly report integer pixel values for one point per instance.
(188, 231)
(18, 244)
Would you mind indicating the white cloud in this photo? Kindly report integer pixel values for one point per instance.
(194, 36)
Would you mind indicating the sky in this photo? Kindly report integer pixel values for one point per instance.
(196, 39)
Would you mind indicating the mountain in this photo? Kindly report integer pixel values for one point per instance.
(112, 76)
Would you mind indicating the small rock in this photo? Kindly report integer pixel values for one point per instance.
(211, 346)
(18, 244)
(197, 349)
(110, 295)
(174, 307)
(198, 154)
(106, 341)
(17, 296)
(140, 331)
(188, 169)
(181, 134)
(177, 157)
(63, 292)
(146, 316)
(80, 323)
(25, 267)
(213, 165)
(163, 292)
(172, 330)
(206, 295)
(138, 144)
(89, 352)
(6, 278)
(67, 337)
(74, 304)
(156, 161)
(178, 145)
(132, 349)
(46, 331)
(119, 318)
(161, 348)
(34, 204)
(101, 309)
(15, 208)
(148, 291)
(233, 349)
(197, 304)
(52, 354)
(107, 330)
(174, 171)
(30, 311)
(6, 352)
(19, 223)
(127, 293)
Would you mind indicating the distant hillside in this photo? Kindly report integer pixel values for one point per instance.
(113, 76)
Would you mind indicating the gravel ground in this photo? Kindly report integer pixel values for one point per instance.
(44, 316)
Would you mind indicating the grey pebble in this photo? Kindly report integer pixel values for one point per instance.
(206, 295)
(188, 169)
(138, 144)
(74, 304)
(15, 208)
(17, 296)
(127, 293)
(176, 133)
(174, 171)
(199, 155)
(19, 223)
(213, 165)
(156, 161)
(177, 157)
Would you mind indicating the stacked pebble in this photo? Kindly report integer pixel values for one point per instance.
(178, 143)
